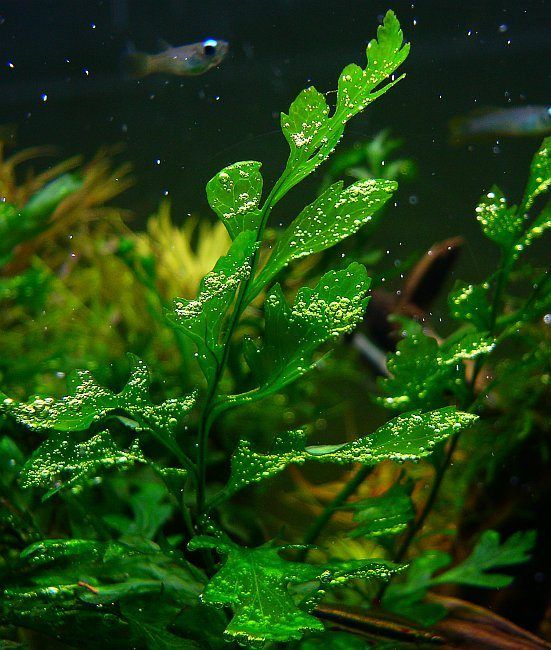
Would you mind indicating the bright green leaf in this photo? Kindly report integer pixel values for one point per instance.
(539, 180)
(536, 229)
(406, 437)
(257, 584)
(234, 194)
(89, 403)
(202, 318)
(384, 55)
(469, 302)
(500, 223)
(332, 217)
(293, 333)
(422, 372)
(311, 133)
(61, 463)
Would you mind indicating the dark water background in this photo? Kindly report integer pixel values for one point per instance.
(179, 131)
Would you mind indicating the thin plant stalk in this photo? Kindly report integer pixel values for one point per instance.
(324, 517)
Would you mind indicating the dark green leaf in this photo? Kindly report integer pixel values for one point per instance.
(149, 507)
(334, 641)
(388, 514)
(405, 598)
(150, 621)
(487, 555)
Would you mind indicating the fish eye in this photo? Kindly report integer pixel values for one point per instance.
(209, 47)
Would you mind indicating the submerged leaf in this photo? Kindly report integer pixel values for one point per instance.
(18, 225)
(257, 583)
(405, 598)
(202, 318)
(61, 463)
(422, 372)
(469, 302)
(536, 229)
(292, 334)
(89, 403)
(332, 217)
(150, 623)
(234, 194)
(384, 515)
(311, 133)
(539, 180)
(489, 554)
(406, 437)
(500, 223)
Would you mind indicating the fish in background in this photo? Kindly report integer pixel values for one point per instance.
(515, 121)
(184, 61)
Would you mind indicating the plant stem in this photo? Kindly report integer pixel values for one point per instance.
(502, 278)
(322, 520)
(208, 417)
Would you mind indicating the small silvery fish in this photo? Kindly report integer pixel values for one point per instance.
(184, 61)
(514, 121)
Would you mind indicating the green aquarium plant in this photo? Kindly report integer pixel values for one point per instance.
(124, 516)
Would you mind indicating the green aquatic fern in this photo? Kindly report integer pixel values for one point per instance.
(132, 552)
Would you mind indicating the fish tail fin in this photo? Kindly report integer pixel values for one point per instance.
(457, 128)
(136, 64)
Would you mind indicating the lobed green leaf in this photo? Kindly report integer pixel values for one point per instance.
(234, 194)
(422, 372)
(469, 302)
(539, 179)
(379, 516)
(62, 463)
(293, 333)
(257, 583)
(407, 437)
(311, 132)
(333, 216)
(202, 319)
(89, 403)
(500, 223)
